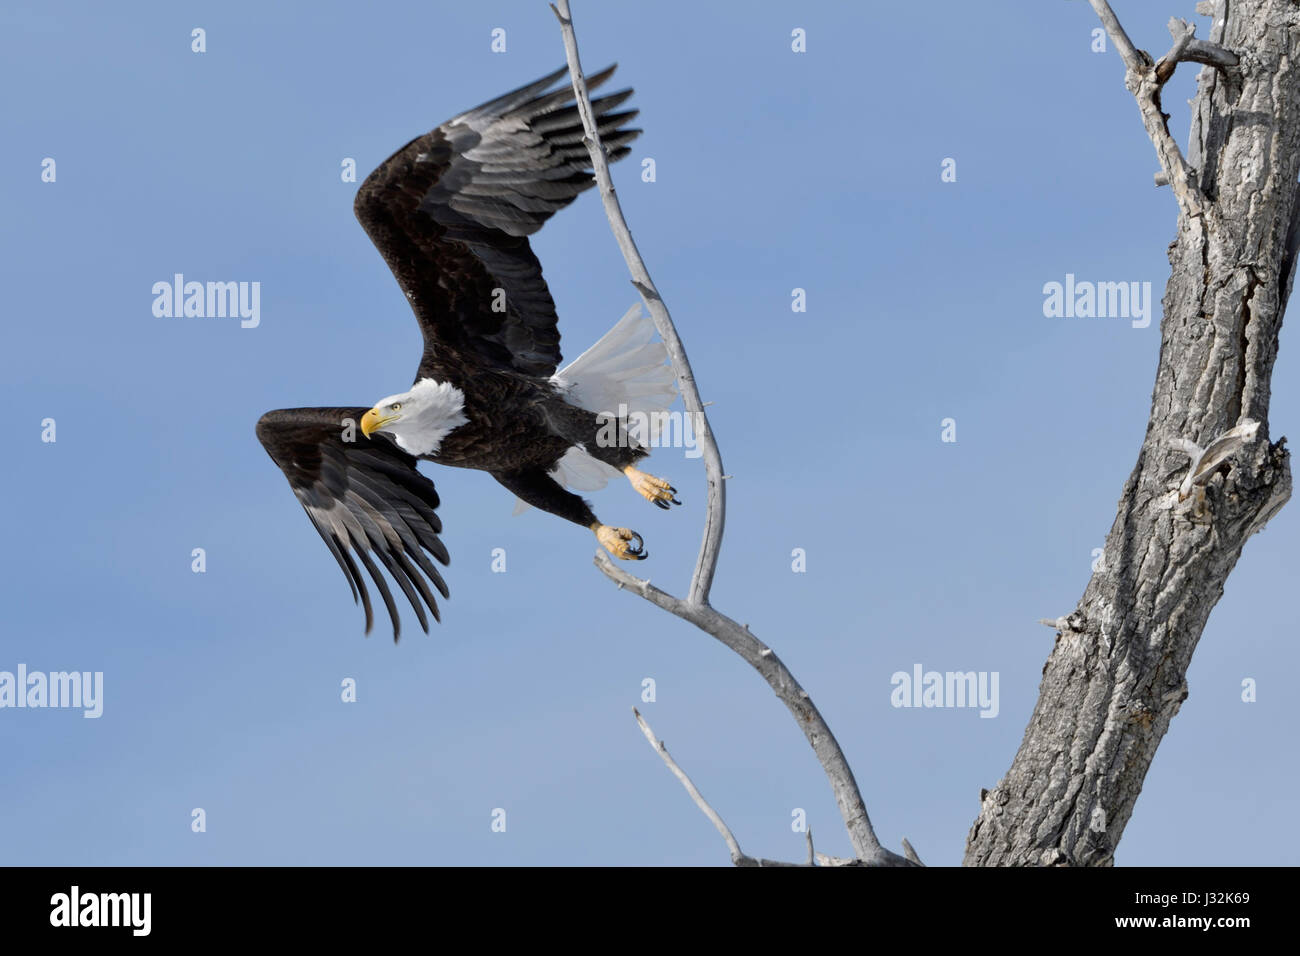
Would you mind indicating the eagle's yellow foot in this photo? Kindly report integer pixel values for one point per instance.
(618, 542)
(654, 490)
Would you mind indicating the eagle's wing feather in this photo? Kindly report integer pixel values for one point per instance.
(451, 213)
(365, 498)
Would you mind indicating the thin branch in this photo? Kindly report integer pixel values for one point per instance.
(733, 846)
(1145, 80)
(1132, 57)
(1182, 32)
(738, 856)
(1188, 49)
(716, 502)
(696, 608)
(1206, 460)
(1211, 54)
(910, 853)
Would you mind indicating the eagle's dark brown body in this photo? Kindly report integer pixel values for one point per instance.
(507, 427)
(519, 427)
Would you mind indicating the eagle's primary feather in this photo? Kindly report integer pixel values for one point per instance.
(451, 213)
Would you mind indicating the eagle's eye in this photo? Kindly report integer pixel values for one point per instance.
(396, 406)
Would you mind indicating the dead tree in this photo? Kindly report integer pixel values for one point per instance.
(1118, 671)
(1206, 478)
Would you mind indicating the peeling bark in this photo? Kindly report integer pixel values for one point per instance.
(1117, 673)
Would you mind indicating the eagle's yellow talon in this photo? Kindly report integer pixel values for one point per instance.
(619, 542)
(654, 490)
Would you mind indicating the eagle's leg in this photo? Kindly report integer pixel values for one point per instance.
(611, 442)
(540, 490)
(652, 489)
(619, 542)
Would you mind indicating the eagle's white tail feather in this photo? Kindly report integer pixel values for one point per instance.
(623, 368)
(578, 471)
(623, 365)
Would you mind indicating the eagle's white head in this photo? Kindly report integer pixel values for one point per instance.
(420, 419)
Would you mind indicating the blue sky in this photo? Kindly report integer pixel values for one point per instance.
(775, 171)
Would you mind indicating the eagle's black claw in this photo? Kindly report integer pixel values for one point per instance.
(654, 490)
(622, 543)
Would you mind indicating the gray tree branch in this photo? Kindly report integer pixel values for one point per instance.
(715, 516)
(763, 659)
(696, 608)
(1144, 79)
(738, 856)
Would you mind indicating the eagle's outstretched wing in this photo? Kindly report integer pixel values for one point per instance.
(451, 212)
(364, 496)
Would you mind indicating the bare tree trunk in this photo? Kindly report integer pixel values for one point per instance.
(1117, 674)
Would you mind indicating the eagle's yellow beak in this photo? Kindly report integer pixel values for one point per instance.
(374, 420)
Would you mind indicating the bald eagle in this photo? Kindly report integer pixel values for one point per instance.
(451, 213)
